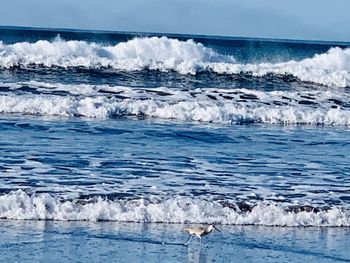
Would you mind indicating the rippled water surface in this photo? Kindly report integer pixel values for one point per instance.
(112, 143)
(173, 129)
(139, 158)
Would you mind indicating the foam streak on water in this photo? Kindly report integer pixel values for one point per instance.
(203, 105)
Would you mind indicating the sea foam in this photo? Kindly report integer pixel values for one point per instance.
(19, 205)
(235, 106)
(140, 53)
(164, 54)
(331, 68)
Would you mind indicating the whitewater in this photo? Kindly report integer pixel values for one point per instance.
(125, 128)
(166, 54)
(203, 105)
(19, 205)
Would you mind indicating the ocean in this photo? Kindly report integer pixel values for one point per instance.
(113, 142)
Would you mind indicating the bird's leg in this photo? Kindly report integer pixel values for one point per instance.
(200, 240)
(188, 240)
(202, 244)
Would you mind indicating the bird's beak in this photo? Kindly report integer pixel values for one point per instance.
(216, 228)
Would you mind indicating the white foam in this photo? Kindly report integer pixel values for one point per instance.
(330, 69)
(37, 105)
(21, 206)
(181, 105)
(140, 53)
(186, 57)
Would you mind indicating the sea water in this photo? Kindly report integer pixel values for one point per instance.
(112, 143)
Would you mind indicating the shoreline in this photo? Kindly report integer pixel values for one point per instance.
(134, 242)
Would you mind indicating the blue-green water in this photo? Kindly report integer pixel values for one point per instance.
(112, 143)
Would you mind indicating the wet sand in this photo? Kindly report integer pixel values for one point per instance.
(49, 241)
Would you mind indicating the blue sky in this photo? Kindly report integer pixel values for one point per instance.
(294, 19)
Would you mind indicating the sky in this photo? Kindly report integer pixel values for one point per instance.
(287, 19)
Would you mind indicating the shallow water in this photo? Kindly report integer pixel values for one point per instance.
(79, 158)
(129, 242)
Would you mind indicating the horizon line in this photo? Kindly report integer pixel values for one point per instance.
(183, 35)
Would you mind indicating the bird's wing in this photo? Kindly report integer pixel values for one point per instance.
(195, 230)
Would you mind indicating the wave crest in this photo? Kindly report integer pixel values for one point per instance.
(19, 205)
(152, 53)
(330, 69)
(164, 54)
(235, 106)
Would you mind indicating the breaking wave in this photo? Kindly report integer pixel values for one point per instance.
(19, 205)
(164, 54)
(152, 53)
(203, 105)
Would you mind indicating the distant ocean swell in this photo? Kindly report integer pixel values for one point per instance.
(164, 54)
(19, 205)
(235, 106)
